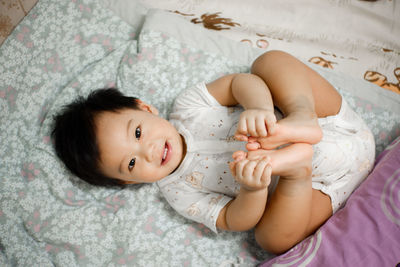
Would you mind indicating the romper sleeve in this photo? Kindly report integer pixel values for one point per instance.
(195, 97)
(202, 207)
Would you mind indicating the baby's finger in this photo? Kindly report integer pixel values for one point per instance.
(266, 175)
(270, 123)
(261, 127)
(239, 166)
(242, 127)
(251, 127)
(248, 169)
(241, 137)
(259, 169)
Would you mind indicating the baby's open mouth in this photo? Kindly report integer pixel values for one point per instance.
(166, 154)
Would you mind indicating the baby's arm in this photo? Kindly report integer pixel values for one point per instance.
(252, 93)
(244, 212)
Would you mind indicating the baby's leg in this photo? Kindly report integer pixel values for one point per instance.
(295, 210)
(295, 87)
(300, 93)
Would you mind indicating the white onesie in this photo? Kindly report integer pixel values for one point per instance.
(203, 184)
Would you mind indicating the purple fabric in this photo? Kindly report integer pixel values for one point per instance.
(366, 232)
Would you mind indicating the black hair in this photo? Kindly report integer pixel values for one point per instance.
(74, 133)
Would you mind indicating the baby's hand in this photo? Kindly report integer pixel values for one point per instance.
(255, 123)
(254, 174)
(300, 128)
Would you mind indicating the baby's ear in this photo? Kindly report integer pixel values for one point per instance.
(147, 107)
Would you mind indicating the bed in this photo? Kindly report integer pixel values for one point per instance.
(154, 50)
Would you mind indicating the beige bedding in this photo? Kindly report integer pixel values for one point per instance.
(360, 38)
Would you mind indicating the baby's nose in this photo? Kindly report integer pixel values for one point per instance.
(150, 152)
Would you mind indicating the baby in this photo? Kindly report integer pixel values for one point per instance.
(297, 170)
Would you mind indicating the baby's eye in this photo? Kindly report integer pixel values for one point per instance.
(131, 164)
(138, 132)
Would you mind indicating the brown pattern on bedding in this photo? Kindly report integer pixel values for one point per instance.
(261, 43)
(182, 14)
(322, 62)
(387, 50)
(336, 56)
(382, 81)
(214, 22)
(247, 41)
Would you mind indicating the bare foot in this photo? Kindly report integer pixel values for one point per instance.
(290, 161)
(296, 128)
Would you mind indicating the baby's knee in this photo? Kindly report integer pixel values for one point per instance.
(264, 61)
(273, 243)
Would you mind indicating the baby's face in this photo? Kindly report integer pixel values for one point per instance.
(137, 146)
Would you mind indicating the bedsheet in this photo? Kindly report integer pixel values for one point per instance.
(63, 49)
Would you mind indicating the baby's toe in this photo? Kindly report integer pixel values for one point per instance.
(253, 146)
(239, 155)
